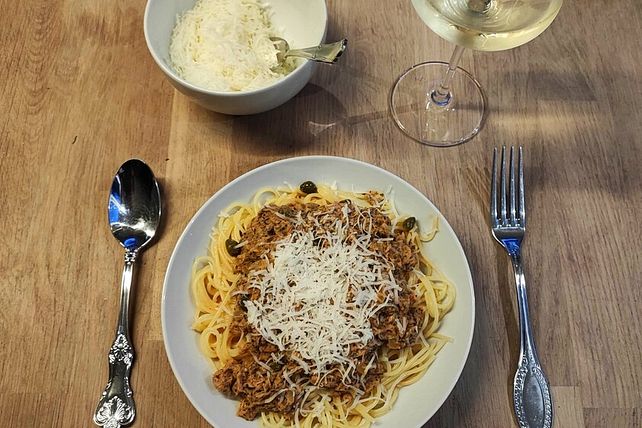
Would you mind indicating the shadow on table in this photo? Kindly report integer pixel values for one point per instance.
(294, 126)
(571, 146)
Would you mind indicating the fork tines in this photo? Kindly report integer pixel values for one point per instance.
(515, 214)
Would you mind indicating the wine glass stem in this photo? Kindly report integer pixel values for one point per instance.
(441, 95)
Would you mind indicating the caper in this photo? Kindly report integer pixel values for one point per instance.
(232, 247)
(241, 301)
(308, 187)
(409, 223)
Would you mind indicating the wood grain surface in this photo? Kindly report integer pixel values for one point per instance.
(80, 94)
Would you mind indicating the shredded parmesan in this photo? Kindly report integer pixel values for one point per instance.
(317, 300)
(224, 45)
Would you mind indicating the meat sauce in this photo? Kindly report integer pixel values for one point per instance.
(265, 379)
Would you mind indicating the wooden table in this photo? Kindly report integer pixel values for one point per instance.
(80, 94)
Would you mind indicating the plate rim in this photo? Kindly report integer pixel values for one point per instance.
(184, 234)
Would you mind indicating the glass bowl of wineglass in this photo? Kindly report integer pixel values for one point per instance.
(440, 104)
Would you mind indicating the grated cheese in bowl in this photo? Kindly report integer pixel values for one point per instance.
(224, 45)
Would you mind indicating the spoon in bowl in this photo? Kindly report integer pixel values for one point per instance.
(328, 53)
(134, 215)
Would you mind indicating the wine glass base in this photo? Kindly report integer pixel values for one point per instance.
(426, 122)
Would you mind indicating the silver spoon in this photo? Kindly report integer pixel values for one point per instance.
(134, 215)
(329, 52)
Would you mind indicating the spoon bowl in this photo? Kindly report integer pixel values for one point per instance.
(134, 209)
(134, 213)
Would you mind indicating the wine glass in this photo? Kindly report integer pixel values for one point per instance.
(440, 104)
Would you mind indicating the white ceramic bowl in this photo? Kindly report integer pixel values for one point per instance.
(303, 24)
(417, 402)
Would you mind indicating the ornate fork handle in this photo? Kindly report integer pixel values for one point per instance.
(531, 390)
(116, 406)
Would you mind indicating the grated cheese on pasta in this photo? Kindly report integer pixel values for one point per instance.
(305, 302)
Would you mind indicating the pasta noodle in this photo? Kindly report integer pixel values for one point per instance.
(213, 287)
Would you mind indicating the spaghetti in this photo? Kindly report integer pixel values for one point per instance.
(320, 318)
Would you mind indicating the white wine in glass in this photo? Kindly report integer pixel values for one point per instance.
(440, 104)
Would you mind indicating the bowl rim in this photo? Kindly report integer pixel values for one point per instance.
(169, 72)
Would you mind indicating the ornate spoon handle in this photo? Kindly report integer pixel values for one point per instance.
(531, 391)
(116, 406)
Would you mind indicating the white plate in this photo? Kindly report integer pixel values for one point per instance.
(416, 403)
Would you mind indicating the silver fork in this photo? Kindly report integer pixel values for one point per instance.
(531, 390)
